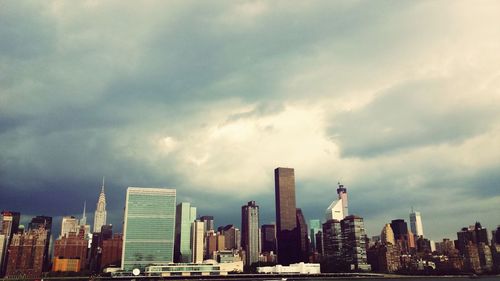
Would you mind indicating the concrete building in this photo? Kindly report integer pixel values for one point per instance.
(250, 232)
(185, 215)
(148, 232)
(416, 223)
(100, 212)
(197, 241)
(297, 268)
(288, 244)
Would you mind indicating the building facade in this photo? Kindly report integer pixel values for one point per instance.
(250, 232)
(197, 240)
(268, 236)
(287, 237)
(354, 243)
(26, 254)
(416, 223)
(302, 230)
(148, 235)
(185, 215)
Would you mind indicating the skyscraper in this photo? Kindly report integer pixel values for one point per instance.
(250, 232)
(354, 243)
(232, 237)
(302, 230)
(416, 223)
(100, 212)
(209, 222)
(185, 215)
(338, 209)
(44, 222)
(26, 254)
(148, 232)
(197, 240)
(268, 236)
(387, 235)
(315, 227)
(332, 245)
(9, 227)
(286, 218)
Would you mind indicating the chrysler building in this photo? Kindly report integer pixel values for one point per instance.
(100, 212)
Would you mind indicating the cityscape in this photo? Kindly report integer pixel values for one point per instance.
(249, 139)
(162, 237)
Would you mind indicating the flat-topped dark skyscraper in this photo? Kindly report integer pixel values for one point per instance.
(287, 236)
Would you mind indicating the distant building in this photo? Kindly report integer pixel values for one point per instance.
(332, 245)
(148, 232)
(314, 228)
(232, 237)
(185, 215)
(100, 212)
(471, 258)
(402, 235)
(298, 268)
(44, 222)
(339, 209)
(197, 240)
(288, 244)
(26, 254)
(387, 235)
(9, 226)
(250, 232)
(416, 223)
(67, 249)
(111, 251)
(268, 235)
(190, 269)
(354, 243)
(209, 223)
(214, 242)
(302, 230)
(69, 224)
(384, 258)
(474, 234)
(423, 245)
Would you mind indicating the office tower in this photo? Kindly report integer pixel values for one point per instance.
(250, 236)
(475, 234)
(148, 232)
(338, 209)
(332, 245)
(416, 223)
(100, 212)
(268, 235)
(387, 235)
(232, 237)
(209, 222)
(402, 235)
(354, 243)
(314, 227)
(286, 221)
(44, 222)
(197, 239)
(10, 223)
(71, 246)
(185, 215)
(303, 236)
(111, 251)
(69, 224)
(26, 254)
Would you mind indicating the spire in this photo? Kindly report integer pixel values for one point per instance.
(83, 220)
(102, 188)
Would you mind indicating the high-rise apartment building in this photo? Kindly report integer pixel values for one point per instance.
(44, 222)
(387, 235)
(100, 212)
(268, 236)
(287, 236)
(302, 230)
(250, 232)
(148, 232)
(197, 240)
(185, 215)
(416, 223)
(354, 243)
(26, 254)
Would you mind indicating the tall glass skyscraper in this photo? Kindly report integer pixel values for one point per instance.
(416, 223)
(287, 236)
(185, 215)
(148, 232)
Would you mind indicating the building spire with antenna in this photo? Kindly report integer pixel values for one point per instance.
(83, 220)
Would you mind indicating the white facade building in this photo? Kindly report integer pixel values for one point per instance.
(69, 224)
(296, 268)
(416, 223)
(197, 239)
(339, 209)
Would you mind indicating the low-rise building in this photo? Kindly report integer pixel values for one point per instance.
(296, 268)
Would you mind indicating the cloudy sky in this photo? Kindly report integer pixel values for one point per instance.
(398, 100)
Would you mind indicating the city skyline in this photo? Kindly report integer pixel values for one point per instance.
(208, 98)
